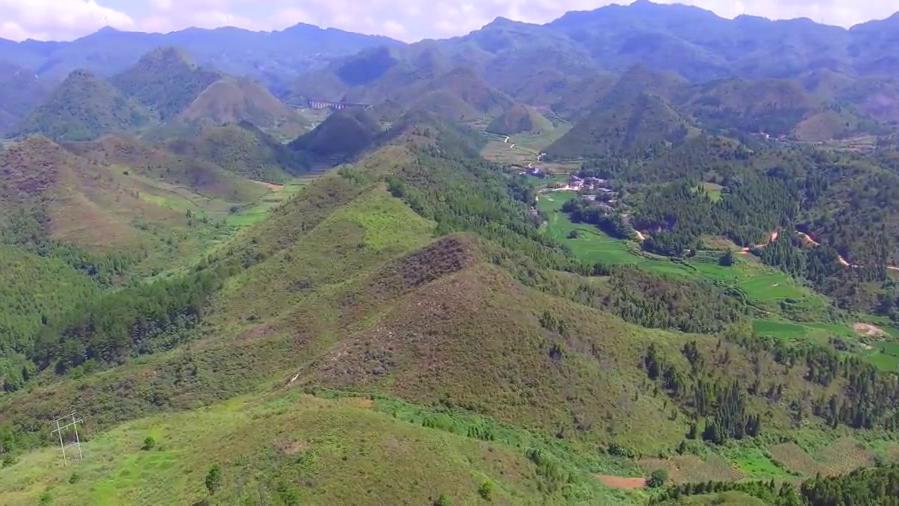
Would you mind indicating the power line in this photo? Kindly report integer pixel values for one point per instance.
(64, 425)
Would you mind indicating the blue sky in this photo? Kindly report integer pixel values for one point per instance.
(408, 20)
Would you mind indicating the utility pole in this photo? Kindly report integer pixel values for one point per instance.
(64, 425)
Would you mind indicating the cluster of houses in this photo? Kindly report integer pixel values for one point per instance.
(578, 183)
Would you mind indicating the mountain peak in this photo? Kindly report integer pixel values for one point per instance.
(81, 74)
(166, 55)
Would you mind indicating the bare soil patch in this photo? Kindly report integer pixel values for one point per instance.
(868, 330)
(271, 186)
(621, 482)
(692, 469)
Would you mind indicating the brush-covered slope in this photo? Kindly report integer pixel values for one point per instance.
(231, 100)
(170, 166)
(165, 81)
(294, 449)
(460, 95)
(772, 106)
(341, 136)
(635, 126)
(84, 107)
(71, 199)
(242, 149)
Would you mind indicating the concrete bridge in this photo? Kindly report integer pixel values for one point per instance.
(334, 106)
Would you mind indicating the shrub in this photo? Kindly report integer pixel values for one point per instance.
(149, 444)
(486, 490)
(214, 479)
(657, 478)
(443, 500)
(727, 259)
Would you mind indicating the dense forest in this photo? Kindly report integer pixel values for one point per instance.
(875, 486)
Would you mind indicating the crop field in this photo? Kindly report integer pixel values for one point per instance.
(258, 212)
(787, 309)
(755, 463)
(762, 285)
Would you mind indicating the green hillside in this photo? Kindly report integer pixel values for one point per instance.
(341, 136)
(164, 81)
(519, 119)
(20, 92)
(84, 107)
(35, 291)
(230, 100)
(645, 124)
(242, 149)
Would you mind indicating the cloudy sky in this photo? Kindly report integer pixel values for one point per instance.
(407, 20)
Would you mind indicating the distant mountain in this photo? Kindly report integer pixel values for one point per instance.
(231, 100)
(20, 93)
(418, 77)
(343, 135)
(165, 81)
(84, 107)
(458, 95)
(700, 45)
(275, 58)
(772, 106)
(519, 119)
(635, 126)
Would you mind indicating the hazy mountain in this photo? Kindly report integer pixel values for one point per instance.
(20, 93)
(636, 125)
(165, 81)
(343, 135)
(232, 100)
(387, 310)
(519, 119)
(273, 57)
(84, 107)
(243, 149)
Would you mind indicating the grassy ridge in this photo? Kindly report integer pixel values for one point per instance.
(286, 448)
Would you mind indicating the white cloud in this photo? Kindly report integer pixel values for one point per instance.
(404, 19)
(57, 19)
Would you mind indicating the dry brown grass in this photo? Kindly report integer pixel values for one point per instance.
(843, 456)
(794, 458)
(693, 469)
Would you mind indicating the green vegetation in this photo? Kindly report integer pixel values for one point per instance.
(164, 81)
(84, 107)
(243, 149)
(326, 441)
(233, 340)
(657, 478)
